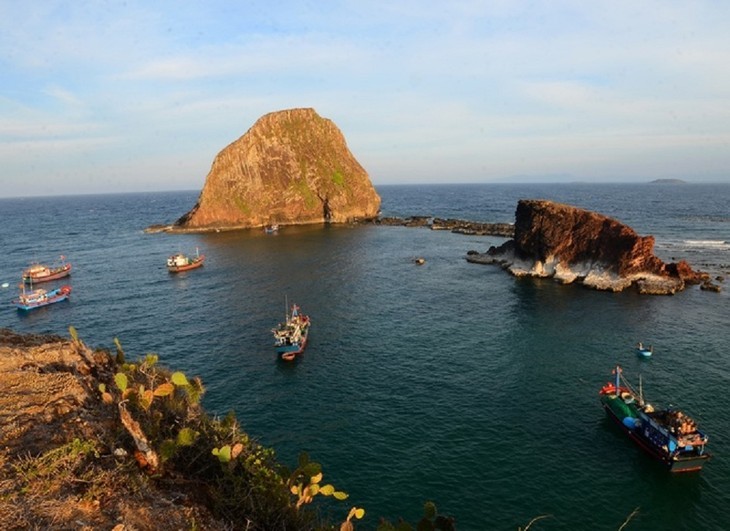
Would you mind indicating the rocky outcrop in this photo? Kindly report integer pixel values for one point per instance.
(575, 245)
(291, 167)
(473, 228)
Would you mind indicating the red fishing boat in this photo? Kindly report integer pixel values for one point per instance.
(42, 273)
(178, 263)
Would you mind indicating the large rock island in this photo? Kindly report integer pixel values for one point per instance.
(571, 244)
(291, 167)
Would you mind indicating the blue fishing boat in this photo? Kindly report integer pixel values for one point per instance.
(644, 352)
(290, 336)
(668, 435)
(30, 300)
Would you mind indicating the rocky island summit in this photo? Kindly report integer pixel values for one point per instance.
(292, 167)
(570, 244)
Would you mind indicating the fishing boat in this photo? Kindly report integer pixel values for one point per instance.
(43, 273)
(37, 298)
(271, 229)
(179, 262)
(644, 352)
(290, 337)
(668, 435)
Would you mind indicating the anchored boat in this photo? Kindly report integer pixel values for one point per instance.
(43, 273)
(644, 352)
(668, 435)
(290, 337)
(179, 262)
(30, 300)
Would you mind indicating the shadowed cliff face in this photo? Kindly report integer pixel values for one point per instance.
(571, 244)
(544, 229)
(291, 167)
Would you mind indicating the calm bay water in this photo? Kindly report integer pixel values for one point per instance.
(451, 381)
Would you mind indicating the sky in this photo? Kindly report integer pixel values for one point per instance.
(136, 96)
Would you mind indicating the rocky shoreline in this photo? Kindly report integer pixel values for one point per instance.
(459, 226)
(566, 243)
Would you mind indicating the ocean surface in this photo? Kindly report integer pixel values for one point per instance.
(451, 382)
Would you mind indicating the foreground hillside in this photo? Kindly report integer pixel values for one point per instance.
(91, 441)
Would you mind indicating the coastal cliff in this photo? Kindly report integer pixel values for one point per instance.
(64, 460)
(575, 245)
(89, 440)
(291, 167)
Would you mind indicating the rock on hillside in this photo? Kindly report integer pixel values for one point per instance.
(291, 167)
(571, 244)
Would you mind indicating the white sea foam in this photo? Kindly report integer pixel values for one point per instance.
(693, 245)
(705, 243)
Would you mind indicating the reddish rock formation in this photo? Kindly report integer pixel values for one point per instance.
(572, 244)
(291, 167)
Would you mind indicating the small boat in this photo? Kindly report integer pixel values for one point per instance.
(271, 229)
(42, 273)
(644, 352)
(668, 435)
(30, 300)
(179, 262)
(290, 337)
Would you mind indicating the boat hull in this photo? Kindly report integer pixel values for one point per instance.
(290, 352)
(676, 464)
(198, 262)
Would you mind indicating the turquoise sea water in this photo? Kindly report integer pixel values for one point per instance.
(450, 381)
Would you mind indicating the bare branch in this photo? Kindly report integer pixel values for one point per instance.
(633, 513)
(534, 520)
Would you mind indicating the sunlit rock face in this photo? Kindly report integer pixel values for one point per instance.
(575, 245)
(291, 167)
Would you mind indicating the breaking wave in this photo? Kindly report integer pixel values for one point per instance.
(694, 245)
(706, 243)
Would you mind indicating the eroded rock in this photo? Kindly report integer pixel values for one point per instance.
(576, 245)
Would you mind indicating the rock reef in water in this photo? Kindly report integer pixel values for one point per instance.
(291, 167)
(458, 226)
(575, 245)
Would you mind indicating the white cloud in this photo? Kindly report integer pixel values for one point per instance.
(418, 88)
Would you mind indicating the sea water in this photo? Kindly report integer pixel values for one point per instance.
(448, 381)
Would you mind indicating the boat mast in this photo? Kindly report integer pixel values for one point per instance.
(641, 392)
